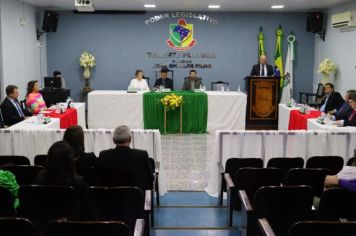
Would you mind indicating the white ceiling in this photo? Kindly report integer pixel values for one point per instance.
(193, 5)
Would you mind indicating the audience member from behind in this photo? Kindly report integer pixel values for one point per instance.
(139, 83)
(60, 168)
(164, 80)
(12, 111)
(34, 100)
(332, 100)
(351, 119)
(122, 156)
(58, 74)
(192, 82)
(74, 136)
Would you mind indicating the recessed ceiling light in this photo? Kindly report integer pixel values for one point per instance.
(149, 5)
(277, 6)
(214, 6)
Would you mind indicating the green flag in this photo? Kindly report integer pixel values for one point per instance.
(278, 60)
(261, 47)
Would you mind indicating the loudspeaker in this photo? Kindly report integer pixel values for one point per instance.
(50, 21)
(315, 22)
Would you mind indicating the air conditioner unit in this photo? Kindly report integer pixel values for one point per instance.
(343, 20)
(84, 5)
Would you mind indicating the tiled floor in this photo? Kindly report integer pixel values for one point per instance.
(187, 159)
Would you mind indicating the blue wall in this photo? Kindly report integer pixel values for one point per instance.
(121, 42)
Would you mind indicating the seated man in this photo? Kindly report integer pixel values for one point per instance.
(262, 69)
(164, 80)
(122, 156)
(11, 109)
(351, 119)
(345, 109)
(346, 178)
(192, 82)
(332, 99)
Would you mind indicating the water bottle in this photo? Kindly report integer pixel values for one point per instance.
(68, 101)
(239, 89)
(40, 118)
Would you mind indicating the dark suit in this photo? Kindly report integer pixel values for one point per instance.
(256, 70)
(2, 124)
(10, 114)
(125, 157)
(334, 101)
(187, 84)
(352, 122)
(86, 160)
(343, 112)
(168, 83)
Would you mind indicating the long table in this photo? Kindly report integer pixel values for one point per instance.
(108, 109)
(314, 125)
(269, 144)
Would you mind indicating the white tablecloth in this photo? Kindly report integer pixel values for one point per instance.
(314, 125)
(283, 116)
(269, 144)
(226, 110)
(31, 142)
(31, 124)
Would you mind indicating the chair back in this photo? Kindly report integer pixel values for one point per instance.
(117, 203)
(90, 175)
(336, 203)
(283, 206)
(286, 163)
(25, 175)
(43, 203)
(218, 85)
(12, 226)
(313, 177)
(319, 92)
(77, 228)
(232, 165)
(6, 203)
(41, 160)
(14, 160)
(334, 163)
(313, 228)
(351, 161)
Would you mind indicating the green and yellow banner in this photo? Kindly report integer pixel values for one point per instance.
(278, 60)
(261, 47)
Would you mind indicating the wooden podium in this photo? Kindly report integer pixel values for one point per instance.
(262, 102)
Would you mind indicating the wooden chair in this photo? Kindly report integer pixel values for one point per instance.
(286, 163)
(250, 180)
(333, 163)
(313, 177)
(12, 226)
(319, 94)
(77, 228)
(25, 175)
(232, 165)
(6, 203)
(14, 160)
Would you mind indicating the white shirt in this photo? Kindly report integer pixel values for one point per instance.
(140, 85)
(264, 68)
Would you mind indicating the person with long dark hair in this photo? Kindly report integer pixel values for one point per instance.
(74, 136)
(34, 99)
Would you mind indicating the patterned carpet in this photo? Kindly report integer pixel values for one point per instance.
(187, 159)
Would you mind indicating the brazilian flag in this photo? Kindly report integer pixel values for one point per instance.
(261, 47)
(278, 60)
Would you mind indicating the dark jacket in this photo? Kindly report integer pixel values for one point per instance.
(10, 113)
(125, 157)
(186, 85)
(86, 160)
(343, 112)
(351, 122)
(169, 83)
(256, 70)
(335, 101)
(2, 124)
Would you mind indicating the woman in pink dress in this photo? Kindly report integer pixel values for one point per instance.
(34, 100)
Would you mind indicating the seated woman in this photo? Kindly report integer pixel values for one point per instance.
(74, 136)
(34, 100)
(139, 83)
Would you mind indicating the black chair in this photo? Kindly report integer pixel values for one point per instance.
(286, 163)
(90, 175)
(216, 86)
(250, 180)
(313, 177)
(232, 165)
(14, 160)
(43, 203)
(40, 160)
(12, 226)
(125, 204)
(351, 161)
(336, 203)
(155, 169)
(78, 228)
(318, 96)
(333, 163)
(25, 175)
(280, 206)
(6, 203)
(313, 228)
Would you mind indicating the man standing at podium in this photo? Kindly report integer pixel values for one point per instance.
(262, 69)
